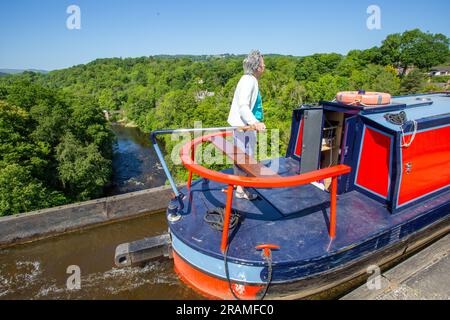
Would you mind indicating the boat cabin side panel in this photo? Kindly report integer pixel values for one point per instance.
(374, 168)
(425, 165)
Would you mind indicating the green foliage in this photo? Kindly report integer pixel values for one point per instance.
(376, 78)
(21, 192)
(430, 88)
(415, 48)
(412, 82)
(15, 146)
(358, 60)
(440, 79)
(35, 122)
(326, 87)
(82, 169)
(312, 67)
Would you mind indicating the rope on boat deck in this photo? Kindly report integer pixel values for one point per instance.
(215, 218)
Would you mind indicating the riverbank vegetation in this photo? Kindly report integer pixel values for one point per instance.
(71, 144)
(55, 148)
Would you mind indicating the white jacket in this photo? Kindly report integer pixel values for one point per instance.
(244, 100)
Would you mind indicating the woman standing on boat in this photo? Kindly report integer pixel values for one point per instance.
(246, 110)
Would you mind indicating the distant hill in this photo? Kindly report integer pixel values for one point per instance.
(2, 74)
(202, 58)
(16, 71)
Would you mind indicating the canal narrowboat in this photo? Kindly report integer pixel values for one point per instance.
(360, 185)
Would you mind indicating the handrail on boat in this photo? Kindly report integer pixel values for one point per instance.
(178, 195)
(188, 160)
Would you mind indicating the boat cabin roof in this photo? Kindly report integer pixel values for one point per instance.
(419, 107)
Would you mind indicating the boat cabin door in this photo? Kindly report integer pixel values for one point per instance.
(306, 137)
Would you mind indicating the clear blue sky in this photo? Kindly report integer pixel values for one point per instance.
(33, 33)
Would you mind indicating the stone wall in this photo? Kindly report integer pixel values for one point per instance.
(53, 221)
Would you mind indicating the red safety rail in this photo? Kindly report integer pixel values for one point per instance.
(188, 161)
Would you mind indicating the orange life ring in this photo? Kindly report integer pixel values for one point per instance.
(363, 98)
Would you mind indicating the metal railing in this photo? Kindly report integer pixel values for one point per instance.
(188, 161)
(158, 151)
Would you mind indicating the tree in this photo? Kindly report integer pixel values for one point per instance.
(106, 100)
(16, 147)
(20, 192)
(415, 48)
(376, 78)
(141, 77)
(82, 169)
(326, 88)
(312, 67)
(412, 82)
(52, 118)
(33, 121)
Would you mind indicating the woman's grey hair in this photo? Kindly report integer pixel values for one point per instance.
(251, 63)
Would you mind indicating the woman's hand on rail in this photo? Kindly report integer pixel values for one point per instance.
(260, 126)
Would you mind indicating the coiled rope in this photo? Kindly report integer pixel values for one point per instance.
(215, 218)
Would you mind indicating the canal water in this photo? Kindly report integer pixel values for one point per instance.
(39, 270)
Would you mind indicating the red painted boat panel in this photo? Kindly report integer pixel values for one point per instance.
(373, 171)
(298, 146)
(429, 159)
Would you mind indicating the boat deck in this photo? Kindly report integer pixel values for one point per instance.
(296, 219)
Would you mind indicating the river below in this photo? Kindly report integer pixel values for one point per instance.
(135, 163)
